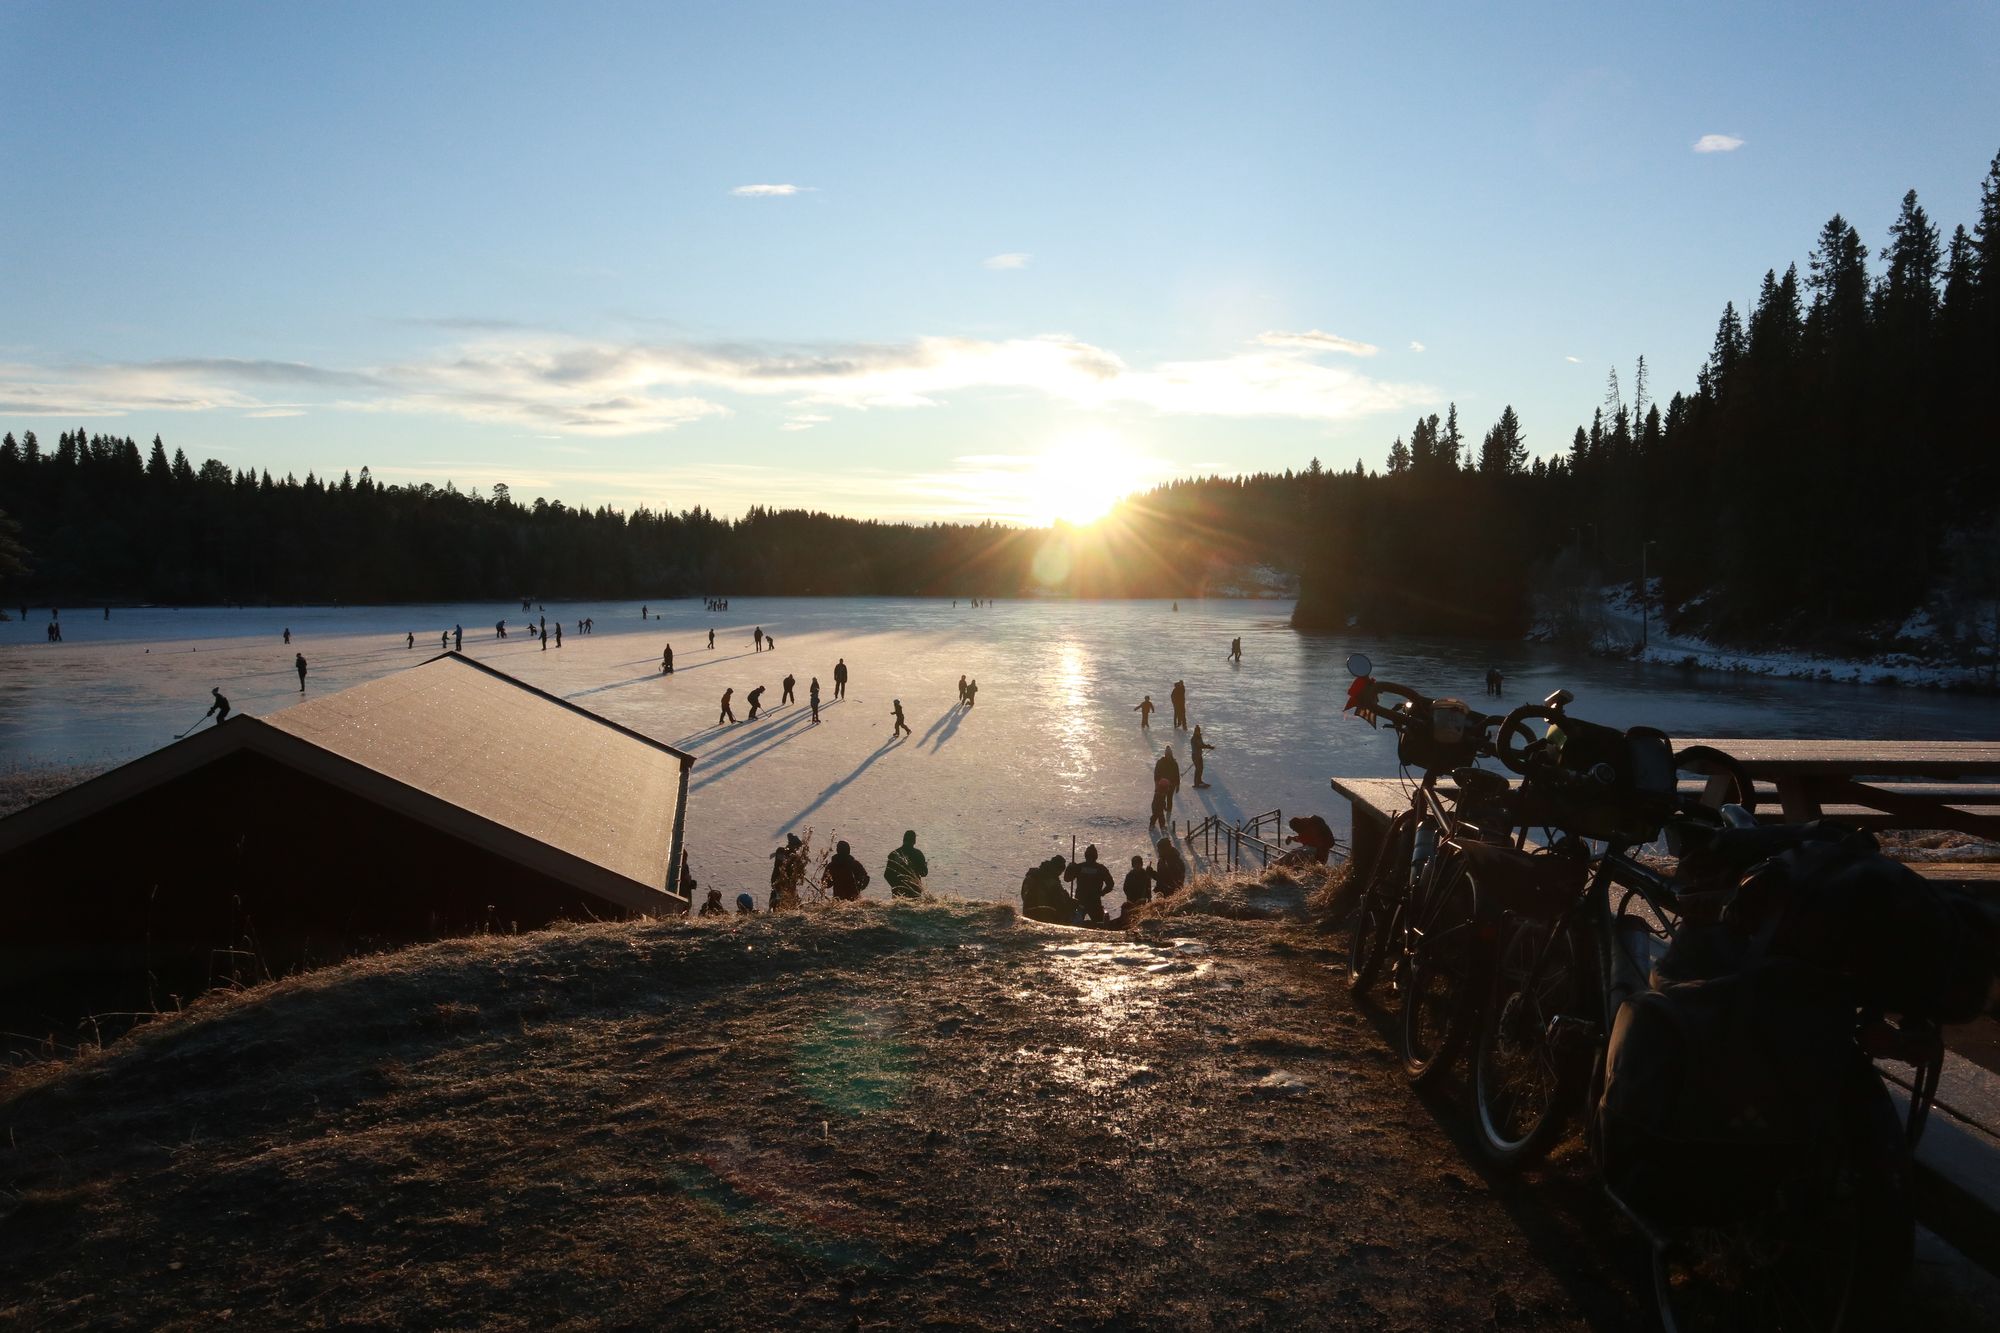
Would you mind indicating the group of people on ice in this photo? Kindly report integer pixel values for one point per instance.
(843, 878)
(1044, 897)
(1167, 769)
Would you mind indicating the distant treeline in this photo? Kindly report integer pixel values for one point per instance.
(102, 520)
(1834, 467)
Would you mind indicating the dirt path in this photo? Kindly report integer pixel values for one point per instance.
(907, 1117)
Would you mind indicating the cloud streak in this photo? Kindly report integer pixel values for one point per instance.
(1717, 143)
(1012, 259)
(769, 191)
(548, 383)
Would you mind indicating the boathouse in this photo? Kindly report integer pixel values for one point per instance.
(446, 799)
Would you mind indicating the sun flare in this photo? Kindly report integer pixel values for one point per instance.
(1080, 477)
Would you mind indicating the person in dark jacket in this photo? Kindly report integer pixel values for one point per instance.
(299, 665)
(812, 697)
(667, 660)
(1196, 748)
(845, 877)
(1170, 870)
(713, 907)
(1178, 697)
(906, 868)
(1139, 883)
(1043, 897)
(840, 679)
(1314, 836)
(756, 698)
(1092, 881)
(789, 681)
(1145, 709)
(728, 715)
(1166, 781)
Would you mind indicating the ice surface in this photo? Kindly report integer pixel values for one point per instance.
(1052, 749)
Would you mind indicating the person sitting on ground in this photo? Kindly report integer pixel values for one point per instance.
(845, 877)
(1171, 872)
(745, 905)
(788, 867)
(1043, 897)
(1139, 883)
(1092, 882)
(906, 868)
(713, 907)
(1314, 837)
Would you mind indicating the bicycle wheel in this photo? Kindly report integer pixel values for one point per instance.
(1443, 969)
(1829, 1256)
(1523, 1085)
(1369, 927)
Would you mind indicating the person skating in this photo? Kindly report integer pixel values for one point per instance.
(757, 637)
(840, 679)
(642, 612)
(409, 639)
(1494, 680)
(1167, 771)
(220, 707)
(770, 644)
(1092, 881)
(1145, 709)
(559, 634)
(444, 638)
(288, 630)
(545, 638)
(845, 877)
(812, 695)
(972, 694)
(458, 638)
(788, 867)
(756, 698)
(961, 689)
(901, 728)
(711, 639)
(1236, 650)
(1169, 869)
(727, 715)
(299, 665)
(906, 868)
(789, 681)
(667, 660)
(1178, 697)
(1196, 746)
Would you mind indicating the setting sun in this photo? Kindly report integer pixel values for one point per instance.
(1081, 476)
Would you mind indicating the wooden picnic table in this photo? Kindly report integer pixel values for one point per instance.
(1811, 775)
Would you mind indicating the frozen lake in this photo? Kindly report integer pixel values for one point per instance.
(1052, 748)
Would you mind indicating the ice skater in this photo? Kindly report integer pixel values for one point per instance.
(458, 638)
(1494, 680)
(972, 694)
(812, 696)
(902, 728)
(545, 637)
(789, 681)
(727, 714)
(756, 698)
(299, 665)
(409, 638)
(1145, 710)
(288, 630)
(220, 707)
(961, 689)
(1166, 781)
(1236, 650)
(559, 634)
(1178, 697)
(757, 637)
(711, 640)
(1195, 746)
(840, 679)
(667, 660)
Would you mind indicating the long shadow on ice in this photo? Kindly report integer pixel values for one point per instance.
(835, 788)
(721, 763)
(653, 675)
(947, 723)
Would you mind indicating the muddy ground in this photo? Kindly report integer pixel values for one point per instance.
(913, 1116)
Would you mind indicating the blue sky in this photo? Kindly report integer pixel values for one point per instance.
(502, 242)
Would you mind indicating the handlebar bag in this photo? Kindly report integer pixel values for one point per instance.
(1720, 1095)
(1440, 737)
(1616, 786)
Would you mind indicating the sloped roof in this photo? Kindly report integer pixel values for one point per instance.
(466, 749)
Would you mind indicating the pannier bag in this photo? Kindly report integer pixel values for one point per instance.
(1718, 1094)
(1615, 786)
(1906, 945)
(1440, 737)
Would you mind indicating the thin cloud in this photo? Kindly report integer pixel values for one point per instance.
(271, 413)
(1317, 340)
(769, 191)
(1012, 259)
(1416, 346)
(1717, 143)
(1574, 360)
(546, 383)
